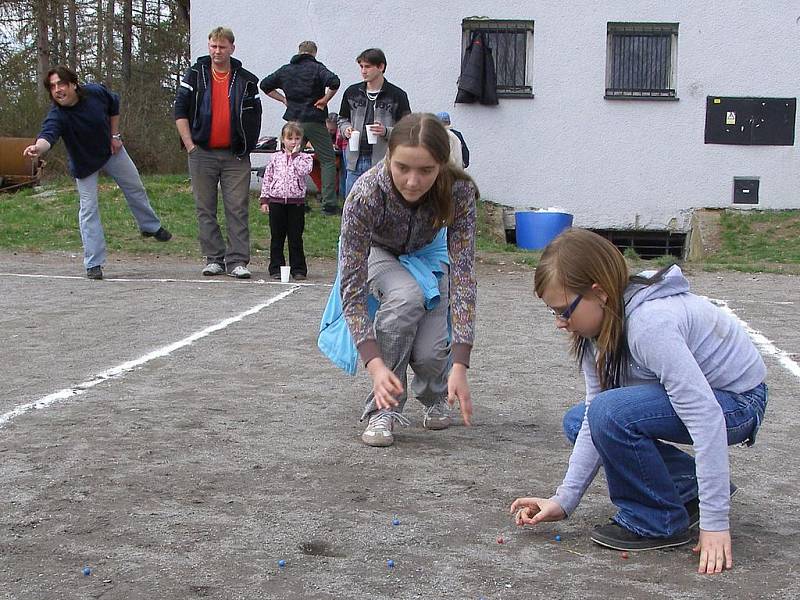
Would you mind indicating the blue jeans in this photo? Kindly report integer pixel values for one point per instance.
(122, 170)
(342, 184)
(363, 164)
(649, 481)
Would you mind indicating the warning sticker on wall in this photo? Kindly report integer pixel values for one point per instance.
(730, 118)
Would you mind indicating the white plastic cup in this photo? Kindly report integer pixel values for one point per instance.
(372, 137)
(355, 140)
(285, 272)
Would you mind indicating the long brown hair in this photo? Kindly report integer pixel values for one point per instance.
(578, 259)
(66, 75)
(426, 130)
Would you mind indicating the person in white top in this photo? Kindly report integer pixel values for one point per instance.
(456, 156)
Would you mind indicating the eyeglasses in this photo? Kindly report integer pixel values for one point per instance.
(567, 313)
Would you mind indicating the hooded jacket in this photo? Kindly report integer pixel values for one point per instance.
(193, 102)
(690, 347)
(303, 82)
(285, 178)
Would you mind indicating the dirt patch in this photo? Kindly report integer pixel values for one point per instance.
(787, 229)
(194, 474)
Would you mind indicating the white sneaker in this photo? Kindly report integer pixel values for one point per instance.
(240, 272)
(213, 268)
(437, 416)
(379, 430)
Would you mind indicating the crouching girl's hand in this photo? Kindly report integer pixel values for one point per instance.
(714, 548)
(458, 389)
(385, 384)
(530, 511)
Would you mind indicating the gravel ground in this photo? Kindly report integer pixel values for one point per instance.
(203, 461)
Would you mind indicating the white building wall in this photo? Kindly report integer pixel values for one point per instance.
(612, 163)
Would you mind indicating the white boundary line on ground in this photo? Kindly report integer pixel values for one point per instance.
(762, 342)
(226, 280)
(130, 365)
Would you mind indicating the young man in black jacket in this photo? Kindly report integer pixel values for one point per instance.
(218, 116)
(375, 104)
(307, 88)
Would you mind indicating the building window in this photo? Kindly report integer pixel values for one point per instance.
(511, 42)
(641, 59)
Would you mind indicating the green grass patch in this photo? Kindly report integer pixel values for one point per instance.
(46, 219)
(758, 237)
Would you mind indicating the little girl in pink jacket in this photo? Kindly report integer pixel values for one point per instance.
(283, 196)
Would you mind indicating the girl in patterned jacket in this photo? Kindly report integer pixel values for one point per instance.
(283, 196)
(397, 208)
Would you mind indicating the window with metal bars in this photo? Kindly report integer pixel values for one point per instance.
(511, 42)
(641, 60)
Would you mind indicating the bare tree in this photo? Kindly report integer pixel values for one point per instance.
(143, 37)
(42, 45)
(72, 53)
(58, 43)
(127, 38)
(184, 7)
(109, 61)
(99, 21)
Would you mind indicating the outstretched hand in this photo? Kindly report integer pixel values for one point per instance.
(31, 151)
(716, 554)
(530, 511)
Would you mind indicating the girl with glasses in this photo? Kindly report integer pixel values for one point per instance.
(662, 366)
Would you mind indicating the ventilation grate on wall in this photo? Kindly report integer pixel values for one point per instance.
(647, 244)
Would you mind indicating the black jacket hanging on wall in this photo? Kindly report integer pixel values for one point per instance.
(478, 80)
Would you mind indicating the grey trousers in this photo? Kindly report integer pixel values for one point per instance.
(219, 168)
(409, 335)
(121, 168)
(320, 138)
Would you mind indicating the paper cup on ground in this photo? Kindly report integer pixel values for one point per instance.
(355, 140)
(285, 272)
(372, 137)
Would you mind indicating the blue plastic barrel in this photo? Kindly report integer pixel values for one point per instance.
(536, 229)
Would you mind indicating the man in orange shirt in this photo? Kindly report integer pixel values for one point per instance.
(218, 116)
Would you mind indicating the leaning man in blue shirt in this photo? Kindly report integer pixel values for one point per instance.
(87, 118)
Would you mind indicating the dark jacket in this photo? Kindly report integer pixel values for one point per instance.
(84, 127)
(303, 82)
(391, 105)
(478, 80)
(193, 102)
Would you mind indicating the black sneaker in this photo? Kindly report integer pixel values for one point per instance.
(331, 212)
(275, 276)
(297, 276)
(615, 536)
(94, 272)
(162, 235)
(693, 508)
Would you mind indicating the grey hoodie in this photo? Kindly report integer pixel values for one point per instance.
(690, 347)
